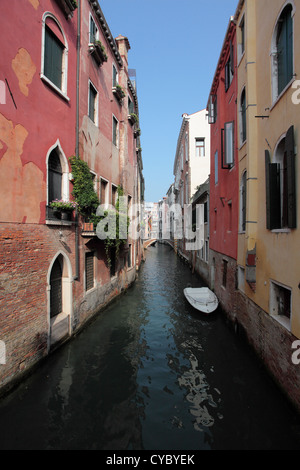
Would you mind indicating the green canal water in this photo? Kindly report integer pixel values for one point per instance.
(151, 373)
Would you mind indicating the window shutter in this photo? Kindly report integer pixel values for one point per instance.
(244, 200)
(272, 193)
(289, 43)
(267, 164)
(89, 270)
(291, 179)
(53, 58)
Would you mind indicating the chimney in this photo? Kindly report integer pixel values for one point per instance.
(123, 46)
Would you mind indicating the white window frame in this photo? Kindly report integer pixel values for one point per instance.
(95, 121)
(114, 67)
(216, 167)
(242, 117)
(116, 144)
(63, 91)
(201, 148)
(65, 171)
(229, 144)
(273, 55)
(91, 18)
(282, 319)
(241, 50)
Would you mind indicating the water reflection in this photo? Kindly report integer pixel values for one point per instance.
(150, 373)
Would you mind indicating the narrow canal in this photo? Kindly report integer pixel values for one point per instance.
(151, 373)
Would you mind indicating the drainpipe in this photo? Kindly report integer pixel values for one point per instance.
(76, 277)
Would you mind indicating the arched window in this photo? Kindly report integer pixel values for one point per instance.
(57, 178)
(56, 288)
(243, 122)
(54, 176)
(54, 54)
(282, 51)
(280, 184)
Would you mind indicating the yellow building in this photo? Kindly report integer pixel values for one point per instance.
(268, 113)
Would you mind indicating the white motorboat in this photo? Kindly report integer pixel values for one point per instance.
(201, 298)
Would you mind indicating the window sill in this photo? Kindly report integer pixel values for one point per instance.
(281, 230)
(59, 222)
(242, 144)
(241, 57)
(54, 87)
(282, 93)
(284, 321)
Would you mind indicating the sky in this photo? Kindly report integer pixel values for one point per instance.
(174, 47)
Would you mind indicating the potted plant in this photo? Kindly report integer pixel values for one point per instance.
(65, 208)
(118, 91)
(98, 52)
(137, 132)
(133, 118)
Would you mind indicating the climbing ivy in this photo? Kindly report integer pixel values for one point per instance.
(87, 203)
(83, 188)
(118, 228)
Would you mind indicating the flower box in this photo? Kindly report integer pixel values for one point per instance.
(118, 92)
(60, 205)
(97, 51)
(132, 118)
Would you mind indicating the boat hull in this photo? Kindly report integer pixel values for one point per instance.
(201, 298)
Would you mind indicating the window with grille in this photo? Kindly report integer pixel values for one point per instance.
(89, 270)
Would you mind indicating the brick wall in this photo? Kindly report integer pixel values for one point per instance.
(272, 343)
(224, 284)
(26, 252)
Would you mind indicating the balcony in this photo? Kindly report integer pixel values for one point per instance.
(97, 51)
(55, 217)
(132, 118)
(88, 230)
(68, 7)
(118, 92)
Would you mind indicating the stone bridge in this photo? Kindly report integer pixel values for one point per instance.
(150, 242)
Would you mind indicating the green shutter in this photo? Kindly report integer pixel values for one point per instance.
(291, 178)
(285, 49)
(53, 55)
(289, 41)
(273, 211)
(244, 200)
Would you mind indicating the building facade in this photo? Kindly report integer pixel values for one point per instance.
(223, 200)
(268, 297)
(191, 169)
(61, 101)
